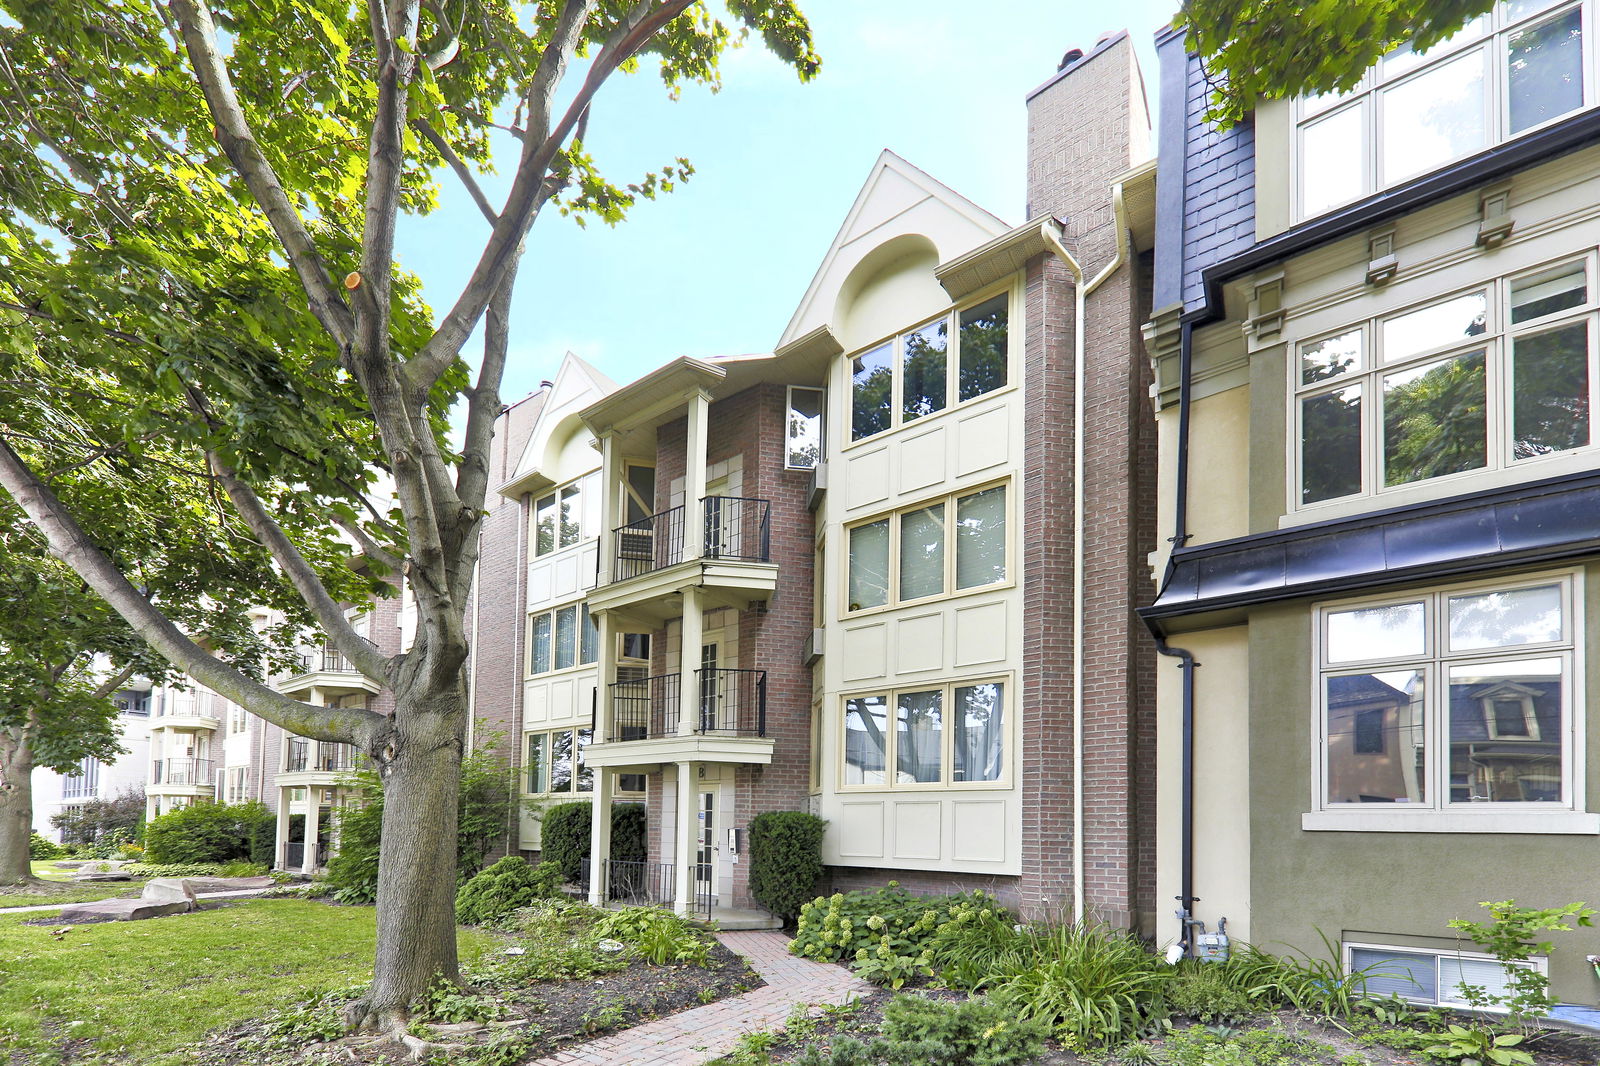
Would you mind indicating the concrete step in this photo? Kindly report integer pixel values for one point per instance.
(740, 919)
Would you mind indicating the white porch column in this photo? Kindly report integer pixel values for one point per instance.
(693, 636)
(313, 811)
(280, 862)
(611, 497)
(694, 476)
(606, 673)
(600, 835)
(686, 842)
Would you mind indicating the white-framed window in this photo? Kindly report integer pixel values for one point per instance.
(1421, 975)
(803, 428)
(1525, 64)
(956, 543)
(1496, 376)
(554, 765)
(237, 722)
(558, 519)
(959, 356)
(235, 782)
(926, 736)
(561, 638)
(1454, 701)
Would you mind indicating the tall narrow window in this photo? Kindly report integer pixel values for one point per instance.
(978, 725)
(865, 745)
(871, 392)
(566, 637)
(922, 552)
(1434, 419)
(544, 525)
(571, 515)
(589, 639)
(924, 370)
(869, 565)
(981, 538)
(983, 348)
(803, 448)
(585, 774)
(1544, 69)
(561, 761)
(919, 737)
(539, 645)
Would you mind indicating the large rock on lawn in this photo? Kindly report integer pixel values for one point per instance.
(103, 875)
(168, 890)
(228, 884)
(119, 910)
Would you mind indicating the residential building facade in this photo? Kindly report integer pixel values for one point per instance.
(97, 779)
(1375, 347)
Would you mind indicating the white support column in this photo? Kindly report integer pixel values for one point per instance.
(693, 636)
(283, 830)
(687, 838)
(313, 823)
(606, 673)
(694, 476)
(611, 505)
(600, 835)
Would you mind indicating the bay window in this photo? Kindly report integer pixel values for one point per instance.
(952, 544)
(1454, 700)
(1512, 70)
(941, 735)
(960, 355)
(562, 638)
(1501, 375)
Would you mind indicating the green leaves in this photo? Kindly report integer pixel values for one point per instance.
(1278, 49)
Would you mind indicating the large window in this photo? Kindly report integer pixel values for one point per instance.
(1504, 74)
(1452, 700)
(930, 736)
(561, 639)
(554, 764)
(558, 519)
(803, 444)
(952, 544)
(1500, 375)
(957, 357)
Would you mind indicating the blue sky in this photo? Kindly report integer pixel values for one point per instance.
(718, 266)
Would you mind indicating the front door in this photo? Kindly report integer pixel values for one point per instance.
(705, 870)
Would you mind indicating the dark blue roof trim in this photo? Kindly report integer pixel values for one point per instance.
(1530, 523)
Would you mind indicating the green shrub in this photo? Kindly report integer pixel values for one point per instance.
(1202, 991)
(353, 870)
(785, 860)
(39, 848)
(502, 888)
(1310, 985)
(210, 832)
(172, 869)
(1255, 1047)
(918, 1031)
(565, 829)
(559, 943)
(243, 869)
(659, 935)
(1092, 985)
(970, 947)
(888, 932)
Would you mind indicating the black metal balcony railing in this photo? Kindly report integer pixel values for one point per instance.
(653, 543)
(643, 708)
(732, 702)
(653, 884)
(329, 757)
(327, 661)
(738, 528)
(183, 772)
(298, 757)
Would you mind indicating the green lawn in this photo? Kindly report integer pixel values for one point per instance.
(64, 892)
(142, 989)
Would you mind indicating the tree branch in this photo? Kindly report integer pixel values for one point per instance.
(470, 183)
(114, 683)
(239, 142)
(69, 542)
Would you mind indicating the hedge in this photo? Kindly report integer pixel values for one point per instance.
(564, 835)
(212, 833)
(785, 860)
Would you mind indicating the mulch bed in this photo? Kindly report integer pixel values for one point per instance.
(545, 1015)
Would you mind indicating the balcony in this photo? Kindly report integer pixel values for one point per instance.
(326, 668)
(652, 559)
(186, 713)
(730, 720)
(182, 773)
(315, 763)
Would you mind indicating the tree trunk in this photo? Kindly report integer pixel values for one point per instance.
(16, 807)
(416, 858)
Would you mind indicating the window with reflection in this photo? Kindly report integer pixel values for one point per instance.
(1483, 380)
(953, 544)
(554, 763)
(1450, 700)
(562, 638)
(942, 735)
(803, 443)
(558, 519)
(1513, 70)
(959, 356)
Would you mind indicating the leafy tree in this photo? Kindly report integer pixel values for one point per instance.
(94, 819)
(198, 208)
(1275, 49)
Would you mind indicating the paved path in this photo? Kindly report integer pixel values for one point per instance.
(197, 895)
(690, 1037)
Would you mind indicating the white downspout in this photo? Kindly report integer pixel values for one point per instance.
(1082, 290)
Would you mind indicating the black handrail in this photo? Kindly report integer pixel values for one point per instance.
(732, 702)
(644, 708)
(653, 543)
(738, 528)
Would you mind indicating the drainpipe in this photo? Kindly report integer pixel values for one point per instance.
(1082, 289)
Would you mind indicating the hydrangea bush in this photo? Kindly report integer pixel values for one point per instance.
(888, 935)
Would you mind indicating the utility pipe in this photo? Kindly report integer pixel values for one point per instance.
(1082, 289)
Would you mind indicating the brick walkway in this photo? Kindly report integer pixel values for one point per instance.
(690, 1037)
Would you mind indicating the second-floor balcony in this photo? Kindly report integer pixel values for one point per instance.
(327, 668)
(326, 661)
(310, 756)
(188, 773)
(729, 537)
(726, 703)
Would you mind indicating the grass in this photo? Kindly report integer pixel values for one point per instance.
(62, 890)
(140, 990)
